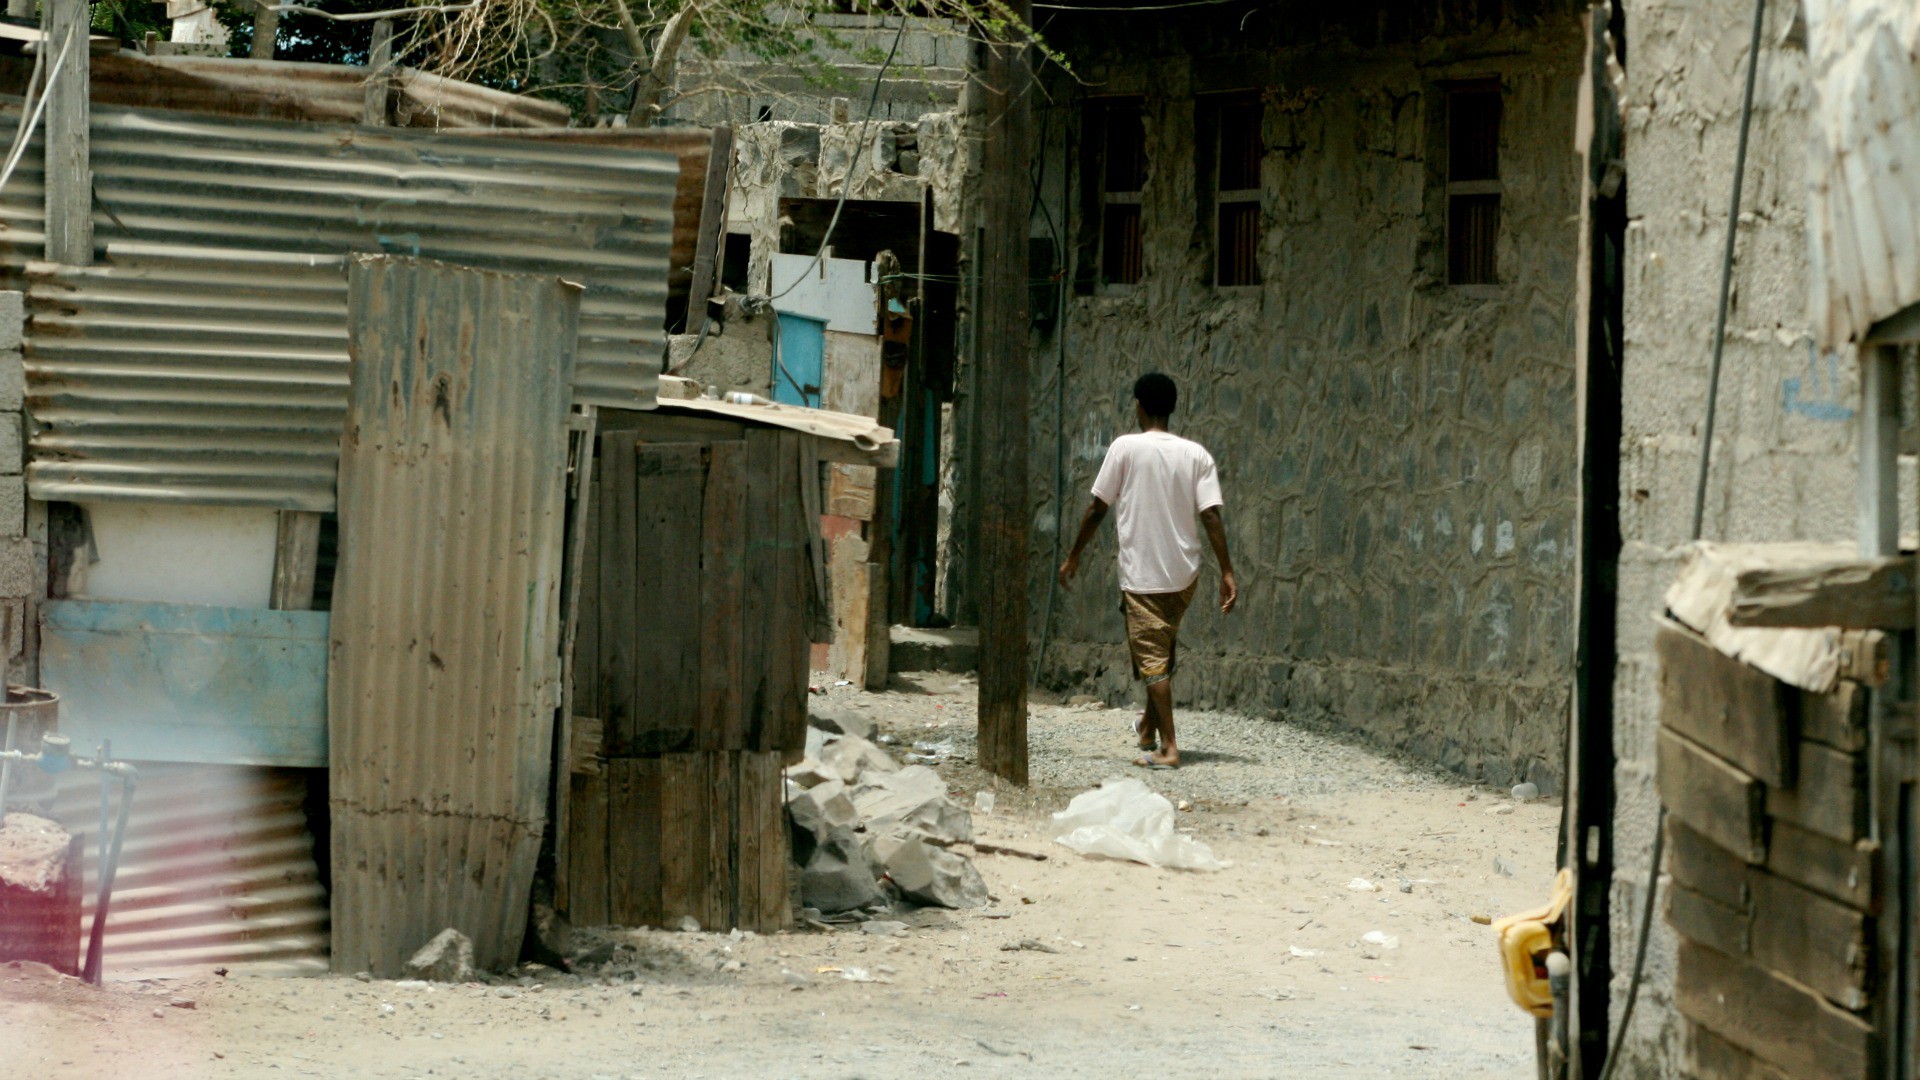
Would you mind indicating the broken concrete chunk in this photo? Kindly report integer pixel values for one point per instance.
(825, 806)
(840, 720)
(854, 759)
(912, 800)
(447, 958)
(925, 874)
(838, 877)
(809, 773)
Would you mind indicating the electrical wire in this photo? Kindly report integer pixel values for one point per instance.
(24, 135)
(1699, 515)
(846, 186)
(846, 182)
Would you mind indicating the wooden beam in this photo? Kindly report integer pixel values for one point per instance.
(378, 100)
(296, 560)
(69, 161)
(1869, 593)
(1775, 1019)
(713, 226)
(1000, 407)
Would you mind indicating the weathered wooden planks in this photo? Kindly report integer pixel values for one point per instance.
(1837, 719)
(1846, 872)
(1732, 709)
(1830, 797)
(1718, 801)
(1864, 594)
(696, 622)
(1780, 1022)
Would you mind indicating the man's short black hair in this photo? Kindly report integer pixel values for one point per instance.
(1156, 394)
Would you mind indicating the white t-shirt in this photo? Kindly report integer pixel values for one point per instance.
(1157, 484)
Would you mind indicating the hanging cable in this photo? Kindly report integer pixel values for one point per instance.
(1699, 514)
(24, 136)
(846, 182)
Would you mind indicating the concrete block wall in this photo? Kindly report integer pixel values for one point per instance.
(17, 578)
(1783, 455)
(1398, 455)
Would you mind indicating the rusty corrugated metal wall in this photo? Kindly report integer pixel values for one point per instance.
(200, 360)
(445, 667)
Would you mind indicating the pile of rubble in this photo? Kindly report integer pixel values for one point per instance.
(868, 832)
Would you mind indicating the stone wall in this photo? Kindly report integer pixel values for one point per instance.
(1398, 454)
(1784, 442)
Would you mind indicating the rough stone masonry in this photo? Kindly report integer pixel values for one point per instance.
(1398, 453)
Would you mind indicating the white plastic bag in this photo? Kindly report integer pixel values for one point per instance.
(1124, 819)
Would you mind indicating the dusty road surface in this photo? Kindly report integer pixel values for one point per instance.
(1080, 968)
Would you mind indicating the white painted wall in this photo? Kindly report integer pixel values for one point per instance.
(180, 554)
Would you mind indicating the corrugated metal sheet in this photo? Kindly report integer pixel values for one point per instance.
(273, 373)
(1863, 217)
(218, 869)
(446, 639)
(200, 375)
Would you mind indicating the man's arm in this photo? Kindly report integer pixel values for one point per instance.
(1089, 524)
(1217, 536)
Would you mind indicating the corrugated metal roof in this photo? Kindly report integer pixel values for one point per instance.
(218, 868)
(204, 360)
(1863, 217)
(445, 639)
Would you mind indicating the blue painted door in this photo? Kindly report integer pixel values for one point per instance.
(798, 360)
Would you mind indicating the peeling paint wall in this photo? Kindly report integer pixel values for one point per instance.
(1398, 454)
(1783, 455)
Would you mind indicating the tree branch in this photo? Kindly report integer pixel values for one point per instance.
(646, 96)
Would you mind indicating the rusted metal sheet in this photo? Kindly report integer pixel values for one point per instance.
(218, 869)
(445, 665)
(1863, 216)
(182, 374)
(189, 682)
(204, 359)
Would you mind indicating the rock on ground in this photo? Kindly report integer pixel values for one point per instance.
(841, 720)
(837, 877)
(853, 759)
(447, 958)
(912, 800)
(929, 875)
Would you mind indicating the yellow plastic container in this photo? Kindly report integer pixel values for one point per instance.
(1525, 941)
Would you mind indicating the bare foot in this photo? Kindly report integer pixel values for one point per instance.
(1158, 760)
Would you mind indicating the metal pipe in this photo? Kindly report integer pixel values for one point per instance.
(1560, 983)
(110, 865)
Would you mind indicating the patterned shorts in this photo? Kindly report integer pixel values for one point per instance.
(1153, 630)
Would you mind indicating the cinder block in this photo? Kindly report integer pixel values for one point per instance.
(13, 319)
(16, 567)
(13, 377)
(12, 450)
(13, 506)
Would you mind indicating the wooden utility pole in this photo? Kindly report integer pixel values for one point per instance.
(376, 106)
(1000, 405)
(69, 176)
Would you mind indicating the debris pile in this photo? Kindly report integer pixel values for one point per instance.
(867, 832)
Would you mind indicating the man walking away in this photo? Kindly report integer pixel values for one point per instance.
(1159, 483)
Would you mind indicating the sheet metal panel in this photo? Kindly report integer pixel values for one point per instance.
(225, 217)
(446, 628)
(1863, 214)
(218, 869)
(189, 683)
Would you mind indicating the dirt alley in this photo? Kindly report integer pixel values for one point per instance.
(1081, 968)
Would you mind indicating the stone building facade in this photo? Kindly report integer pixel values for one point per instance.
(1398, 450)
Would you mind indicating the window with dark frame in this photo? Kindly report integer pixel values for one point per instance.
(1473, 183)
(1235, 195)
(1122, 169)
